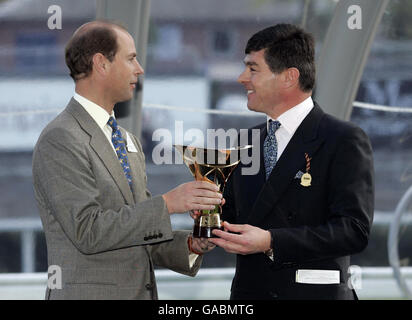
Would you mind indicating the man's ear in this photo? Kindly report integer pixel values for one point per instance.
(291, 77)
(100, 64)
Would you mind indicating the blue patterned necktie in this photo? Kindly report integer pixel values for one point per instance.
(270, 147)
(120, 148)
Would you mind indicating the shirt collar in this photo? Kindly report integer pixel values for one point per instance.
(98, 114)
(292, 118)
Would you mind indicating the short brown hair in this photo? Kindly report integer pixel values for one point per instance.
(287, 46)
(91, 38)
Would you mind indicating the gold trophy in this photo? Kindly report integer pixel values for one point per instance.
(214, 166)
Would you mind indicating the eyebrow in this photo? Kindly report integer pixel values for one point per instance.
(250, 63)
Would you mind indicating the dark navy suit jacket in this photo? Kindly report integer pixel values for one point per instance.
(316, 227)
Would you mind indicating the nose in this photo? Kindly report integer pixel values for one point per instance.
(243, 77)
(139, 69)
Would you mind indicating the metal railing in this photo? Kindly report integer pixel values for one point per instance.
(28, 227)
(213, 284)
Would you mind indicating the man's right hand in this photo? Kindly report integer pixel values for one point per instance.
(194, 195)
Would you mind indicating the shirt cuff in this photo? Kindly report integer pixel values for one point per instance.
(192, 259)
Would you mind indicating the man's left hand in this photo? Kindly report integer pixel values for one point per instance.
(202, 245)
(247, 239)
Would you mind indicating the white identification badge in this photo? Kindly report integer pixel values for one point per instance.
(130, 145)
(318, 276)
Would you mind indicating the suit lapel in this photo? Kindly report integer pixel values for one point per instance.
(102, 147)
(249, 194)
(305, 140)
(137, 166)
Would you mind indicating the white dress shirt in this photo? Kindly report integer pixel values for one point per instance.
(100, 115)
(290, 121)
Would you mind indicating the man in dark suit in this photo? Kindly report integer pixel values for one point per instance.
(295, 224)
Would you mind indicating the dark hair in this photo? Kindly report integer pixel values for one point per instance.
(287, 46)
(89, 39)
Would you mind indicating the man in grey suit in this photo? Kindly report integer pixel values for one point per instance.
(102, 227)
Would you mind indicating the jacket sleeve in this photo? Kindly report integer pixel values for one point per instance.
(175, 254)
(350, 208)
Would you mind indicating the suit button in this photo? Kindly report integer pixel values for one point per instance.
(149, 286)
(155, 236)
(274, 295)
(160, 235)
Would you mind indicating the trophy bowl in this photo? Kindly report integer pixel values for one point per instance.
(214, 166)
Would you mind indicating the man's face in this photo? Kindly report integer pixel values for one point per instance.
(261, 83)
(124, 69)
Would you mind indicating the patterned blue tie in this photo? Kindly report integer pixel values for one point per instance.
(120, 148)
(270, 147)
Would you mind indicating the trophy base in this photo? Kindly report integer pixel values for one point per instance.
(204, 232)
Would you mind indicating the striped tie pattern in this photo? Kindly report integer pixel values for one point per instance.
(270, 147)
(120, 148)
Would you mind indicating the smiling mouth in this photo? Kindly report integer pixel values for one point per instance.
(250, 91)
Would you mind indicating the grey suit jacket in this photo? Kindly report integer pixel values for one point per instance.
(104, 238)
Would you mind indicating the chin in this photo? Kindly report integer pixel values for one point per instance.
(252, 108)
(126, 98)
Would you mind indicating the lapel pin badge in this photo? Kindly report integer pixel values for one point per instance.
(299, 175)
(306, 178)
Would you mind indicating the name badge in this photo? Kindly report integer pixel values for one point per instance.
(318, 276)
(130, 145)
